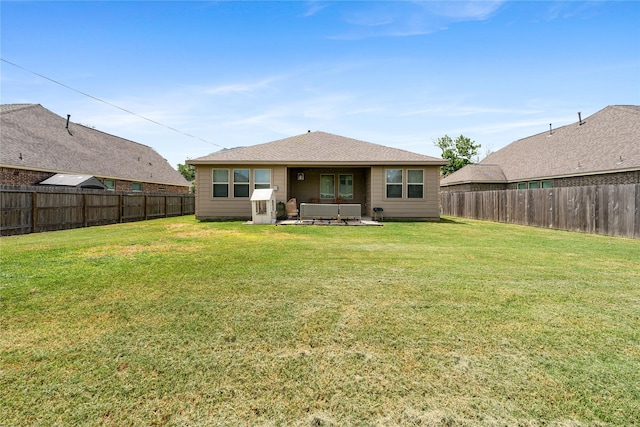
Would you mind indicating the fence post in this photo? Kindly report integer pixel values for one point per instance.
(120, 208)
(166, 206)
(85, 222)
(34, 211)
(146, 203)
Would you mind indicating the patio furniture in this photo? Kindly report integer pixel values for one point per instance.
(291, 208)
(315, 211)
(350, 211)
(338, 212)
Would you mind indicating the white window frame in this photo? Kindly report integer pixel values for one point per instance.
(395, 184)
(214, 183)
(333, 194)
(246, 184)
(261, 184)
(415, 184)
(340, 194)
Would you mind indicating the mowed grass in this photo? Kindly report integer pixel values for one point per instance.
(180, 322)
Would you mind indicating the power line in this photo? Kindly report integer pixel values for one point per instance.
(109, 103)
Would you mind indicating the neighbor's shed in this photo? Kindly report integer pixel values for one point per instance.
(78, 181)
(263, 206)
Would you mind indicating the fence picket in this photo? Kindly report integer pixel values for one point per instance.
(34, 209)
(612, 210)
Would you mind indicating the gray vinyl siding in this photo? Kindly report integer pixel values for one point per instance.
(208, 207)
(428, 207)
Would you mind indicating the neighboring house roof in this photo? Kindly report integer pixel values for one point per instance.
(317, 148)
(80, 181)
(480, 172)
(605, 142)
(35, 138)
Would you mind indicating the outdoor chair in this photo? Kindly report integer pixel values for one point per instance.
(292, 208)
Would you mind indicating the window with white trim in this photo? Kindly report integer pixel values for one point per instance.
(394, 183)
(415, 183)
(221, 183)
(136, 186)
(327, 186)
(261, 178)
(241, 183)
(345, 190)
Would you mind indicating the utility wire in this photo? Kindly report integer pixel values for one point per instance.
(109, 103)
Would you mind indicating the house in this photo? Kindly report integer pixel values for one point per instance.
(601, 149)
(319, 167)
(37, 144)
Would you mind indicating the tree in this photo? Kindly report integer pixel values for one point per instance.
(460, 152)
(188, 171)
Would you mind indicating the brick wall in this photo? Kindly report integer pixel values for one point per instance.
(632, 177)
(460, 188)
(618, 178)
(11, 176)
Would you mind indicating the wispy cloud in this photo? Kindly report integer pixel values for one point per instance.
(462, 10)
(403, 18)
(314, 6)
(571, 9)
(244, 87)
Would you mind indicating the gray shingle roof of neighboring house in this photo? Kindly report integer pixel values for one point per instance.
(607, 141)
(35, 138)
(317, 148)
(481, 172)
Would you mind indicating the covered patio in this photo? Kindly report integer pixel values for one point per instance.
(329, 185)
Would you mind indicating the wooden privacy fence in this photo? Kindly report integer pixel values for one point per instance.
(34, 209)
(613, 210)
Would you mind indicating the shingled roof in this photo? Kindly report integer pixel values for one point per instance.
(605, 142)
(37, 139)
(318, 148)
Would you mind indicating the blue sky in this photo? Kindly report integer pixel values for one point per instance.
(397, 73)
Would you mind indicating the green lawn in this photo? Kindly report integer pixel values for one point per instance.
(178, 322)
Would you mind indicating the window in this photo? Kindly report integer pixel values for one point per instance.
(241, 183)
(394, 183)
(345, 190)
(546, 184)
(327, 187)
(415, 184)
(522, 186)
(533, 185)
(262, 178)
(221, 183)
(136, 186)
(110, 184)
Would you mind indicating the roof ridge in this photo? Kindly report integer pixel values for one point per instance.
(9, 108)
